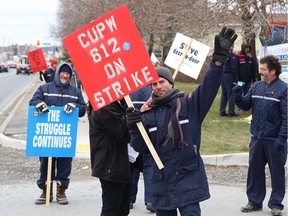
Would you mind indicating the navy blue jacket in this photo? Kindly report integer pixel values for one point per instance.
(183, 180)
(269, 109)
(49, 75)
(141, 96)
(247, 68)
(57, 94)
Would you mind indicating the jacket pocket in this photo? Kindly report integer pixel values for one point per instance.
(158, 186)
(271, 130)
(188, 177)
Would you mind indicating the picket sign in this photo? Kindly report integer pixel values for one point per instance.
(34, 145)
(185, 61)
(146, 137)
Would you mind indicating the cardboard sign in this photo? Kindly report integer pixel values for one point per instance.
(194, 58)
(110, 57)
(37, 60)
(52, 134)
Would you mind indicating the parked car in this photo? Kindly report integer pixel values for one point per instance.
(3, 67)
(23, 68)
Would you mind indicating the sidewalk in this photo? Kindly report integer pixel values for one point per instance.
(85, 196)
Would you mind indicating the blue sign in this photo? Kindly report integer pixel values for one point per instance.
(52, 134)
(284, 68)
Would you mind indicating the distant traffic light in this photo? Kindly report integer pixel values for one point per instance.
(38, 42)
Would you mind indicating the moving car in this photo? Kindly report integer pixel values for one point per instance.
(23, 68)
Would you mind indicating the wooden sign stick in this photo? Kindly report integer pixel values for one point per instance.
(146, 137)
(187, 48)
(48, 182)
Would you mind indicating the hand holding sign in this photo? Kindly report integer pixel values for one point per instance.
(133, 117)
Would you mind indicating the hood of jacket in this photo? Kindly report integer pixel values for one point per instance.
(57, 80)
(243, 48)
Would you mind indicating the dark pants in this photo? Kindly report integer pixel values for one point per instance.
(227, 94)
(61, 170)
(136, 174)
(115, 198)
(263, 152)
(190, 210)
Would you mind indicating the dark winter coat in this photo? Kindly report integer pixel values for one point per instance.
(247, 66)
(141, 96)
(269, 109)
(183, 180)
(49, 75)
(109, 137)
(57, 94)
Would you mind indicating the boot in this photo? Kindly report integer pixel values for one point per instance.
(61, 196)
(42, 199)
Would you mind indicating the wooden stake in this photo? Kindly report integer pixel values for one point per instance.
(146, 137)
(48, 182)
(187, 48)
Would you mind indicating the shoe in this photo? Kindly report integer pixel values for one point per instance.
(42, 199)
(223, 114)
(61, 196)
(149, 207)
(276, 212)
(250, 208)
(131, 205)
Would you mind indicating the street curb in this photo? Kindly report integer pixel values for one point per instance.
(239, 159)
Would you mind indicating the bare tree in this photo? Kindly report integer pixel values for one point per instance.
(159, 20)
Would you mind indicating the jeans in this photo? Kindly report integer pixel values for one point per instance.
(136, 174)
(189, 210)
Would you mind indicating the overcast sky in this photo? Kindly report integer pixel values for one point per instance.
(26, 21)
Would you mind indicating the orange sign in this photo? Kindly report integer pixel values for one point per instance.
(37, 60)
(110, 57)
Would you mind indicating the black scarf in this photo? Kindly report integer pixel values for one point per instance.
(173, 129)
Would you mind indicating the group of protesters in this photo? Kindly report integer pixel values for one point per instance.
(172, 120)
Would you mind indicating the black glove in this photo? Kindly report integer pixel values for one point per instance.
(238, 92)
(69, 107)
(133, 116)
(279, 144)
(222, 44)
(42, 107)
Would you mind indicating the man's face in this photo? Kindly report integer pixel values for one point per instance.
(247, 50)
(64, 77)
(161, 87)
(266, 74)
(54, 66)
